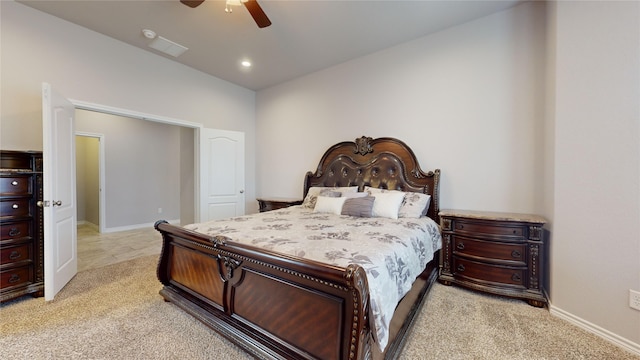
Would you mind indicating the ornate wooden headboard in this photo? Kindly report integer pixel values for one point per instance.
(385, 163)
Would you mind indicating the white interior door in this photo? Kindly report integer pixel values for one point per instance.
(59, 178)
(221, 174)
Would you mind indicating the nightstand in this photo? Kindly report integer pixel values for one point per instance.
(268, 204)
(498, 253)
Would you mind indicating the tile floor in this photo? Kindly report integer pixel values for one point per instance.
(97, 250)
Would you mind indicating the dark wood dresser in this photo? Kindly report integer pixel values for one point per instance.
(268, 204)
(498, 253)
(21, 224)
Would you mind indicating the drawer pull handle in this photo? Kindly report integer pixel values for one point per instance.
(516, 277)
(460, 246)
(459, 226)
(14, 278)
(515, 254)
(461, 268)
(14, 183)
(15, 206)
(14, 232)
(15, 255)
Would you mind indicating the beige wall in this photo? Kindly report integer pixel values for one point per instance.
(596, 232)
(469, 100)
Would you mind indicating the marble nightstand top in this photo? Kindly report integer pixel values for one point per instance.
(490, 215)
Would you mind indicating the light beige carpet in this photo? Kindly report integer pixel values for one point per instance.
(115, 312)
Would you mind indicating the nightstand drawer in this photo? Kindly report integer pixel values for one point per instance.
(491, 251)
(500, 275)
(15, 277)
(14, 254)
(15, 185)
(15, 208)
(489, 229)
(16, 230)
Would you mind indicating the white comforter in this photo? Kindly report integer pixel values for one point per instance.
(392, 252)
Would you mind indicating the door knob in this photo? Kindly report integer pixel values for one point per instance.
(57, 203)
(241, 191)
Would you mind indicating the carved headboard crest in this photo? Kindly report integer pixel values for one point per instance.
(363, 145)
(383, 162)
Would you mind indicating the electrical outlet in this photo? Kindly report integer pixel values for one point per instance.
(634, 299)
(159, 210)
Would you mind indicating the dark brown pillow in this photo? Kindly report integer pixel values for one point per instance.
(360, 207)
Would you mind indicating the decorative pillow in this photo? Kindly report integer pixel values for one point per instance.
(325, 204)
(387, 204)
(358, 206)
(414, 205)
(314, 191)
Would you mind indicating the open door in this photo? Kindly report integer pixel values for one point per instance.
(59, 175)
(221, 174)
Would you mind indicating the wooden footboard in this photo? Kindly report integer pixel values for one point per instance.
(275, 306)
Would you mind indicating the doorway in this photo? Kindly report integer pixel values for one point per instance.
(147, 172)
(119, 176)
(89, 180)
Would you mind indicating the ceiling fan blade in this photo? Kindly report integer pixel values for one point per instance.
(257, 13)
(192, 3)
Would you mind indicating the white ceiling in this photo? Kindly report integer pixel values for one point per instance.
(306, 35)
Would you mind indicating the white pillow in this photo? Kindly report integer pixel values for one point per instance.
(331, 205)
(414, 205)
(310, 200)
(387, 204)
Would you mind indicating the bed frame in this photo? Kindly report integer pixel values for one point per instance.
(277, 306)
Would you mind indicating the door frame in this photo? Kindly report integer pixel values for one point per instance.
(102, 204)
(197, 127)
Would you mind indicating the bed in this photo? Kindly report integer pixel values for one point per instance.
(264, 282)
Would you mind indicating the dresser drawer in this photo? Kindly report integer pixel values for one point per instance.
(14, 254)
(15, 277)
(499, 275)
(15, 185)
(479, 228)
(14, 208)
(15, 230)
(492, 251)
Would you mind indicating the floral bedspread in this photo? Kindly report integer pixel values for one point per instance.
(392, 252)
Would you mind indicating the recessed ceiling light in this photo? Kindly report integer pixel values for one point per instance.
(246, 63)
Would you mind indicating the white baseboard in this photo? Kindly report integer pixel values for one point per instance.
(137, 226)
(595, 329)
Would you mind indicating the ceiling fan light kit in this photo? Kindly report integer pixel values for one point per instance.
(252, 6)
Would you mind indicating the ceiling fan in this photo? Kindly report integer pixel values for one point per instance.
(254, 8)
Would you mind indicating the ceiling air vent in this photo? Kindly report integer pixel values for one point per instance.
(167, 46)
